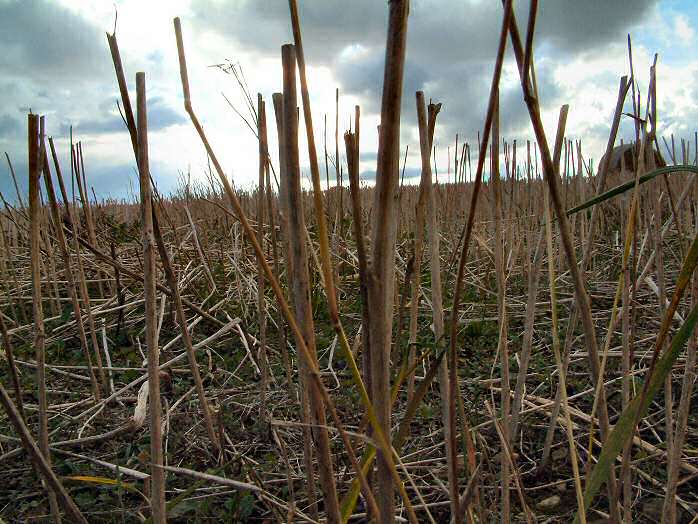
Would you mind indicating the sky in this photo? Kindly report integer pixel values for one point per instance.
(55, 61)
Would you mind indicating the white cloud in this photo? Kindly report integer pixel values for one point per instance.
(684, 29)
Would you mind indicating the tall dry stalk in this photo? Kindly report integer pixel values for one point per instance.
(557, 152)
(300, 281)
(415, 286)
(14, 181)
(172, 281)
(627, 364)
(453, 388)
(184, 331)
(277, 99)
(551, 176)
(68, 270)
(281, 328)
(302, 392)
(381, 289)
(351, 141)
(87, 307)
(560, 366)
(669, 514)
(261, 216)
(157, 473)
(80, 178)
(396, 46)
(35, 148)
(527, 344)
(426, 137)
(502, 341)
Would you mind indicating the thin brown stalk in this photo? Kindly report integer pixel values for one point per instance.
(157, 474)
(35, 134)
(559, 139)
(604, 168)
(300, 281)
(425, 141)
(288, 315)
(261, 217)
(123, 89)
(281, 328)
(69, 276)
(302, 393)
(87, 212)
(87, 307)
(79, 279)
(467, 231)
(551, 176)
(352, 151)
(503, 343)
(14, 181)
(669, 515)
(186, 337)
(625, 473)
(415, 292)
(277, 99)
(527, 344)
(381, 288)
(395, 52)
(560, 367)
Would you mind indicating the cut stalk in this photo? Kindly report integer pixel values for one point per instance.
(381, 287)
(35, 148)
(157, 474)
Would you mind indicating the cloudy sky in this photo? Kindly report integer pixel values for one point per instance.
(54, 60)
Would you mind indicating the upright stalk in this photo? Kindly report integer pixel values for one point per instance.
(551, 176)
(381, 288)
(69, 276)
(425, 142)
(261, 303)
(157, 473)
(503, 343)
(300, 281)
(36, 130)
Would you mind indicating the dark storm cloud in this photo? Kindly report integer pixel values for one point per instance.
(570, 25)
(41, 39)
(263, 26)
(160, 116)
(9, 126)
(450, 47)
(440, 30)
(462, 88)
(411, 173)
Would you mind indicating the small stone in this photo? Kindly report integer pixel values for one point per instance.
(549, 503)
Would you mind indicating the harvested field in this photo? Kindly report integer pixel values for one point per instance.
(510, 340)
